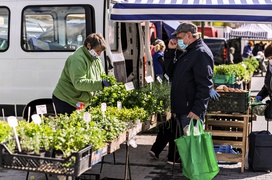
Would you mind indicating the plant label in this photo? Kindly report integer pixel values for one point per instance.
(129, 86)
(119, 105)
(41, 109)
(12, 121)
(159, 79)
(166, 77)
(149, 79)
(103, 107)
(36, 119)
(87, 117)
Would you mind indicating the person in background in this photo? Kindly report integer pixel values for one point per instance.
(247, 52)
(260, 59)
(267, 87)
(158, 58)
(81, 76)
(231, 55)
(258, 47)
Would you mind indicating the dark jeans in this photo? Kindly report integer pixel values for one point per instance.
(63, 107)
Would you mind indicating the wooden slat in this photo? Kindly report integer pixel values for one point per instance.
(239, 124)
(235, 144)
(228, 157)
(225, 133)
(228, 115)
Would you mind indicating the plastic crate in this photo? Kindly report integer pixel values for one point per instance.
(223, 79)
(230, 102)
(223, 149)
(74, 165)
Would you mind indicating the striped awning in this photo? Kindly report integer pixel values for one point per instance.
(252, 31)
(193, 10)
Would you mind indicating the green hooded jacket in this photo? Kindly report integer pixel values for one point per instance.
(80, 78)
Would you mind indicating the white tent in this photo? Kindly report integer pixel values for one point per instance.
(252, 31)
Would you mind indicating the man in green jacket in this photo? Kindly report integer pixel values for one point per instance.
(81, 76)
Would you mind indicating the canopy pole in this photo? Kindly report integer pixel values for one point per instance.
(202, 29)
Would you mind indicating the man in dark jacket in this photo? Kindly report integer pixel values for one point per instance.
(191, 75)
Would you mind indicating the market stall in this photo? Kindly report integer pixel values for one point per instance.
(69, 145)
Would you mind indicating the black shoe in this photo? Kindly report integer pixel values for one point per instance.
(152, 154)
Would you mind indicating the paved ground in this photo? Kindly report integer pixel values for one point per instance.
(142, 167)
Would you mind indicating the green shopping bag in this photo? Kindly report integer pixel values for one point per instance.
(197, 154)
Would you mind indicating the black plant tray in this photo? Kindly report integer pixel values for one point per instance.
(230, 102)
(74, 165)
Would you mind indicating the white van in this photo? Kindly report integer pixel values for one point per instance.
(36, 37)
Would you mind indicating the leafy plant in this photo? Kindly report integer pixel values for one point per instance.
(5, 131)
(127, 115)
(113, 127)
(30, 136)
(161, 92)
(251, 64)
(239, 70)
(72, 133)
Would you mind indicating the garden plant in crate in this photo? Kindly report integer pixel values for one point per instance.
(68, 134)
(142, 98)
(234, 75)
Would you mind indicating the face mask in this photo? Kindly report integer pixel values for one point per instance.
(181, 44)
(270, 62)
(93, 53)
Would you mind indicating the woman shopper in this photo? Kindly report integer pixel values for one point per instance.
(81, 76)
(158, 58)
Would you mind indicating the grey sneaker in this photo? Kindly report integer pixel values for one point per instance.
(153, 155)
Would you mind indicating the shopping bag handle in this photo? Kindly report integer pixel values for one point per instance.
(199, 125)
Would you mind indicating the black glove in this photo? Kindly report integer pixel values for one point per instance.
(105, 83)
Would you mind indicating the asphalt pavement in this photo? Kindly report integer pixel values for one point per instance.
(143, 167)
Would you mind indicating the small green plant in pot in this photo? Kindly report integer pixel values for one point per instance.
(30, 136)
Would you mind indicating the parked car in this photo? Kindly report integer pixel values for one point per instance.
(219, 48)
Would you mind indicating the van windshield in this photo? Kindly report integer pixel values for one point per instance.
(218, 48)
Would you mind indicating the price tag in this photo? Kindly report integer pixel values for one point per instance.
(41, 109)
(129, 86)
(12, 121)
(149, 79)
(103, 107)
(166, 77)
(87, 117)
(119, 104)
(159, 79)
(36, 119)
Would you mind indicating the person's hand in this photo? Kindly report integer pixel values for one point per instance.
(105, 83)
(193, 115)
(258, 98)
(214, 95)
(172, 44)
